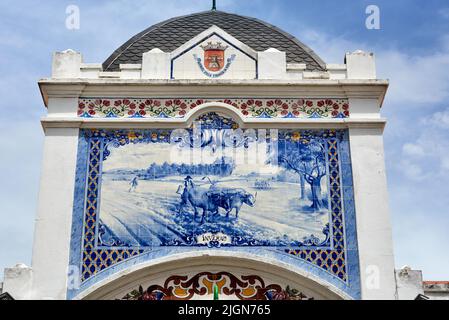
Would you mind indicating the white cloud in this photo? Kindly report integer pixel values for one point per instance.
(445, 163)
(444, 13)
(411, 170)
(439, 119)
(414, 79)
(331, 49)
(427, 157)
(413, 150)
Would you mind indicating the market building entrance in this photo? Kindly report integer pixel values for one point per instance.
(196, 278)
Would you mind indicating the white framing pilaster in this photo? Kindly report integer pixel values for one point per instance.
(54, 218)
(377, 269)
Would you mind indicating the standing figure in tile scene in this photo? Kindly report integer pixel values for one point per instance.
(213, 154)
(134, 183)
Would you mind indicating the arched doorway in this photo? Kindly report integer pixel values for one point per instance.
(195, 279)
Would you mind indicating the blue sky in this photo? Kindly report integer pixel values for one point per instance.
(412, 50)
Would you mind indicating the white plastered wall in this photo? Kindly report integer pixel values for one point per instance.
(373, 218)
(54, 218)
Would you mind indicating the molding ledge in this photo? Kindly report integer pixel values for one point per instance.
(182, 123)
(116, 88)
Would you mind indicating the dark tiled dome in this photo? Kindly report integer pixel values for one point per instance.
(171, 34)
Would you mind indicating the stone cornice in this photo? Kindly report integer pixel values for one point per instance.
(48, 122)
(62, 90)
(368, 89)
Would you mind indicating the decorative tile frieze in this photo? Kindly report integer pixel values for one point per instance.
(222, 284)
(180, 107)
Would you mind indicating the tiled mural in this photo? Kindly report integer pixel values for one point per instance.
(215, 186)
(179, 108)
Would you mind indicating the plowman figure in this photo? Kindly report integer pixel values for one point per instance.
(134, 183)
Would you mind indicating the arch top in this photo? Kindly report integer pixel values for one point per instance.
(221, 267)
(220, 108)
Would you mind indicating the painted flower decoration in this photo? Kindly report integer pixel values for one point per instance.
(149, 297)
(324, 108)
(296, 136)
(132, 136)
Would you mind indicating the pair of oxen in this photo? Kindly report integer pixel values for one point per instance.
(213, 198)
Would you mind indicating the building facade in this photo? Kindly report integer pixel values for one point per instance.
(212, 152)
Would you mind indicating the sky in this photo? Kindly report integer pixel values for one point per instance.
(411, 49)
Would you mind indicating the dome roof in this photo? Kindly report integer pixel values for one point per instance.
(171, 34)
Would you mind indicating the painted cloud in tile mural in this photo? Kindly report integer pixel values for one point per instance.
(215, 185)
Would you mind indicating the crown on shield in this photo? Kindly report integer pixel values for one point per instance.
(214, 46)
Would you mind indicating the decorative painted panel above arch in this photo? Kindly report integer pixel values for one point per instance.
(143, 195)
(299, 108)
(224, 285)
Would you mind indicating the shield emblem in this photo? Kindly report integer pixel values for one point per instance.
(214, 56)
(214, 60)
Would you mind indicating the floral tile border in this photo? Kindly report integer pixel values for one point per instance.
(297, 108)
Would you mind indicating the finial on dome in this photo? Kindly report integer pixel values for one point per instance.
(214, 5)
